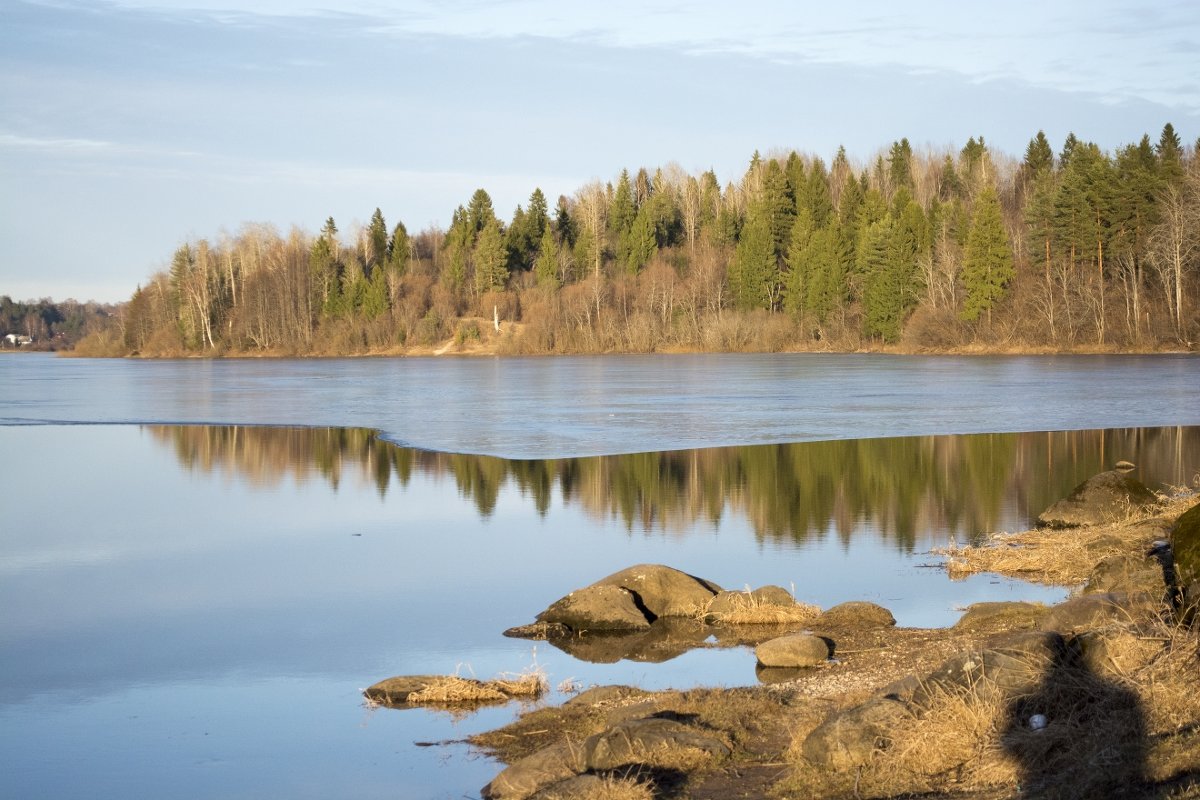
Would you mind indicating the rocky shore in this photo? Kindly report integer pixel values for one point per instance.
(1098, 696)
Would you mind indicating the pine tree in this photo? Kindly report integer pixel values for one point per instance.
(641, 242)
(546, 266)
(623, 210)
(399, 250)
(1039, 157)
(376, 242)
(988, 261)
(900, 165)
(490, 258)
(1170, 152)
(753, 273)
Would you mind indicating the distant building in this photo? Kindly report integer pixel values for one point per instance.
(17, 340)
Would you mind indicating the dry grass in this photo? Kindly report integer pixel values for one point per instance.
(606, 787)
(1126, 718)
(454, 690)
(747, 609)
(1058, 557)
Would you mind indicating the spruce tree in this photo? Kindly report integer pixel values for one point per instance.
(490, 258)
(641, 242)
(399, 249)
(753, 273)
(988, 261)
(377, 240)
(546, 266)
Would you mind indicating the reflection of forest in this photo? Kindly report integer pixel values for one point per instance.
(964, 485)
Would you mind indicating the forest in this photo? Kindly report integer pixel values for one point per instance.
(952, 250)
(47, 325)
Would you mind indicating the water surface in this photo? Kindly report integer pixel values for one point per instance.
(593, 405)
(192, 611)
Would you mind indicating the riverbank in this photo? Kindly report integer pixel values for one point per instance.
(1077, 700)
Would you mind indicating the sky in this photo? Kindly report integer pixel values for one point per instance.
(128, 127)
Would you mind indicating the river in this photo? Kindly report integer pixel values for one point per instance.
(196, 589)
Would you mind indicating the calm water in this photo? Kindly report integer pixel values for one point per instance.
(191, 611)
(552, 407)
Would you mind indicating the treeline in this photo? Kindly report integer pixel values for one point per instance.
(47, 325)
(965, 485)
(925, 250)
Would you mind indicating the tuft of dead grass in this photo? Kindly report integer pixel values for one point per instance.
(1057, 557)
(605, 787)
(454, 690)
(748, 609)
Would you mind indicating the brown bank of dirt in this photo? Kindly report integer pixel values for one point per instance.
(1118, 717)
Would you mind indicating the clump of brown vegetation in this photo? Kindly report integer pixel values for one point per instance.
(747, 608)
(1062, 558)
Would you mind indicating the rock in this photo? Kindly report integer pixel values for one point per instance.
(726, 602)
(662, 591)
(541, 631)
(597, 608)
(1108, 497)
(1124, 466)
(1092, 611)
(1001, 616)
(656, 741)
(1185, 545)
(545, 767)
(849, 738)
(855, 615)
(1125, 573)
(1012, 664)
(794, 650)
(606, 695)
(395, 691)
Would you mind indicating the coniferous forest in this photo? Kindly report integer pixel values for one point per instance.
(952, 250)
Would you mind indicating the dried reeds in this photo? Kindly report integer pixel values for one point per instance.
(455, 690)
(747, 608)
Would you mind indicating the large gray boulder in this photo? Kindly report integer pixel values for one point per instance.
(1102, 499)
(597, 608)
(626, 601)
(663, 591)
(795, 650)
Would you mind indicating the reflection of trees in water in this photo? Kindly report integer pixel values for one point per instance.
(965, 485)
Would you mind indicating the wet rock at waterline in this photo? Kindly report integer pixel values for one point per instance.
(395, 691)
(663, 591)
(855, 615)
(1108, 497)
(796, 650)
(629, 600)
(545, 767)
(601, 608)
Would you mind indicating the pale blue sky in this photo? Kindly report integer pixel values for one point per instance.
(127, 127)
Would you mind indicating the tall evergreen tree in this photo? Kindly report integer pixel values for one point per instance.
(376, 242)
(490, 258)
(546, 266)
(399, 249)
(753, 273)
(988, 261)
